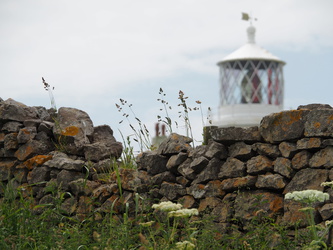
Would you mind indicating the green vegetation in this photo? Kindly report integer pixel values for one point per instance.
(26, 225)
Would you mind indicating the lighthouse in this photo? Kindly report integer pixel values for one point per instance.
(251, 84)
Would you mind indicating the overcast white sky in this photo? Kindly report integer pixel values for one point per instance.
(95, 52)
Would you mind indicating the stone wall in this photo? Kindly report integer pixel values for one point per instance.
(237, 175)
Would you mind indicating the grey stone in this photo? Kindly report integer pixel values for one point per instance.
(238, 183)
(216, 150)
(301, 160)
(326, 211)
(39, 175)
(10, 141)
(314, 106)
(61, 161)
(271, 181)
(259, 164)
(210, 172)
(102, 150)
(266, 149)
(283, 126)
(319, 123)
(175, 144)
(323, 158)
(172, 191)
(309, 143)
(307, 179)
(232, 168)
(174, 161)
(241, 151)
(65, 177)
(233, 134)
(16, 111)
(152, 162)
(288, 149)
(283, 167)
(12, 127)
(26, 134)
(198, 191)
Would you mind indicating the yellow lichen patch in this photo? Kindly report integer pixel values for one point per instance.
(70, 131)
(174, 137)
(316, 124)
(276, 205)
(37, 160)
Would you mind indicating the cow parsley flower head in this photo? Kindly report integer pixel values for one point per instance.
(167, 206)
(327, 184)
(185, 245)
(184, 212)
(308, 196)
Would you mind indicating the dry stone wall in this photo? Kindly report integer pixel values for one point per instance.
(239, 174)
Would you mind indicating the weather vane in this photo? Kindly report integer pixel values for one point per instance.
(247, 17)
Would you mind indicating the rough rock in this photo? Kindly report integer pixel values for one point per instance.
(82, 187)
(314, 106)
(238, 183)
(172, 191)
(267, 149)
(251, 204)
(5, 169)
(175, 144)
(210, 172)
(197, 191)
(301, 160)
(214, 189)
(319, 123)
(283, 126)
(216, 150)
(175, 160)
(152, 162)
(326, 212)
(307, 179)
(10, 141)
(26, 134)
(283, 167)
(240, 150)
(32, 148)
(16, 111)
(324, 158)
(61, 161)
(190, 169)
(288, 149)
(270, 181)
(232, 168)
(233, 134)
(39, 175)
(102, 150)
(12, 127)
(74, 126)
(259, 164)
(65, 177)
(309, 143)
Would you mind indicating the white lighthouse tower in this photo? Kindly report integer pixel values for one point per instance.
(251, 84)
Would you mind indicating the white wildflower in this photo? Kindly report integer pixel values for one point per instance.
(185, 245)
(328, 223)
(184, 212)
(327, 184)
(167, 206)
(308, 196)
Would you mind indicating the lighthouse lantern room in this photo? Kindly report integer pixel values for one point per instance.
(251, 84)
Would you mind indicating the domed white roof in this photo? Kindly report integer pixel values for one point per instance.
(251, 51)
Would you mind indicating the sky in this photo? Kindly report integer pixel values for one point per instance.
(95, 52)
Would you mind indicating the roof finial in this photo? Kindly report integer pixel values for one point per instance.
(250, 30)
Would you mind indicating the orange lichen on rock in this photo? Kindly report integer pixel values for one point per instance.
(70, 131)
(285, 119)
(317, 124)
(37, 160)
